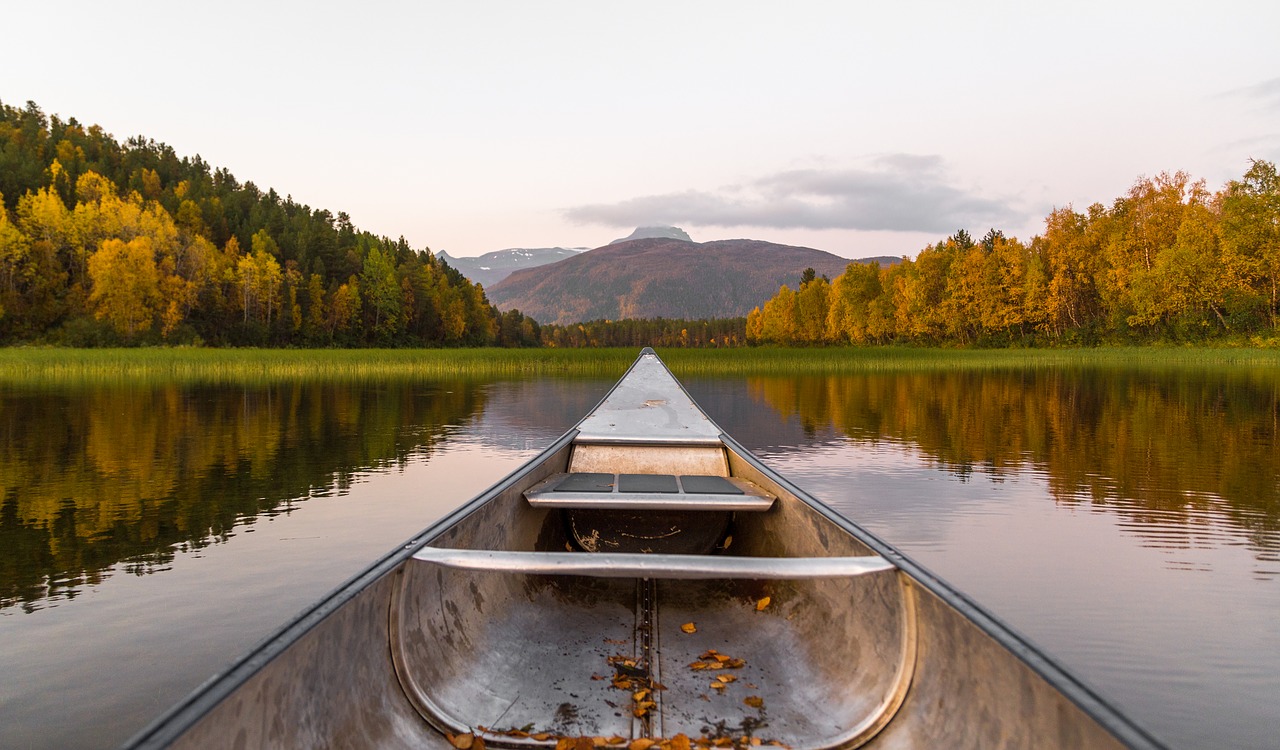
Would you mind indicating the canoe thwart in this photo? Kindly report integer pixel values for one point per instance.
(604, 490)
(627, 565)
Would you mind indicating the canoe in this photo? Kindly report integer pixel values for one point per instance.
(645, 582)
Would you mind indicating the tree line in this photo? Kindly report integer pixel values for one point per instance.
(656, 332)
(1168, 261)
(103, 243)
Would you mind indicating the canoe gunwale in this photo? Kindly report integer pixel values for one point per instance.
(1084, 697)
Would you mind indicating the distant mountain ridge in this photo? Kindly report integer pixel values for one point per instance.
(492, 267)
(662, 277)
(656, 233)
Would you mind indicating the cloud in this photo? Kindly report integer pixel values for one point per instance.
(1266, 93)
(896, 192)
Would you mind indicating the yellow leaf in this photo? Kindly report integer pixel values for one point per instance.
(644, 743)
(464, 741)
(760, 605)
(754, 701)
(689, 627)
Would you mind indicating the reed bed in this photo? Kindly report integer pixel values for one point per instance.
(54, 366)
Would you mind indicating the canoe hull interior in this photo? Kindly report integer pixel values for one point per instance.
(424, 650)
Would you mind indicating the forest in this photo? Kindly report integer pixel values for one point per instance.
(106, 243)
(1166, 262)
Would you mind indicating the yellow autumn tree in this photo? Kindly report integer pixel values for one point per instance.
(126, 284)
(260, 278)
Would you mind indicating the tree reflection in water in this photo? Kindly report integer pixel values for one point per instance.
(1168, 450)
(94, 477)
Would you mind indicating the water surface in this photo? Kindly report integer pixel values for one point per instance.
(1128, 522)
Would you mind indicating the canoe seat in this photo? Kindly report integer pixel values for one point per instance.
(686, 567)
(604, 491)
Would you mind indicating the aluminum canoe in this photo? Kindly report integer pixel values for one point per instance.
(645, 581)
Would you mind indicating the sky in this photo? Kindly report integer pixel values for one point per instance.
(861, 129)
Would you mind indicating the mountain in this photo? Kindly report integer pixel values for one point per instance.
(490, 268)
(662, 277)
(654, 233)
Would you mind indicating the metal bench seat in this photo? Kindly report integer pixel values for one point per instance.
(599, 490)
(688, 567)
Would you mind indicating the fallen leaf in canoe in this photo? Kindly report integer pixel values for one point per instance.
(764, 602)
(583, 743)
(616, 740)
(755, 741)
(599, 741)
(681, 742)
(754, 701)
(541, 736)
(565, 743)
(478, 744)
(644, 743)
(726, 677)
(708, 653)
(727, 541)
(689, 627)
(717, 685)
(722, 741)
(463, 741)
(721, 658)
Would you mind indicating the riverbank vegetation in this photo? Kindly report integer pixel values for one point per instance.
(56, 367)
(1167, 262)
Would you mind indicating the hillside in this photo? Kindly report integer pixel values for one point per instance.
(108, 243)
(650, 278)
(490, 268)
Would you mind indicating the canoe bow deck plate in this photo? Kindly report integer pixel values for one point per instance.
(648, 406)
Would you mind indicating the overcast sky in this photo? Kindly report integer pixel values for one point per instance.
(857, 128)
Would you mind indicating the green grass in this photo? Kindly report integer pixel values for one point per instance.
(818, 361)
(53, 366)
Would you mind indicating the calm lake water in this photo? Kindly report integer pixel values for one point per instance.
(1127, 521)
